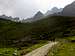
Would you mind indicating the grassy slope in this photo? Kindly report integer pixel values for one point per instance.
(64, 48)
(11, 30)
(22, 51)
(7, 51)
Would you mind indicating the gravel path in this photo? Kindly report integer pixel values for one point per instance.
(42, 51)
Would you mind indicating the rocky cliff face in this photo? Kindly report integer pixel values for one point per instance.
(69, 10)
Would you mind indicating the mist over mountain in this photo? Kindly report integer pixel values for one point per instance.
(39, 15)
(68, 10)
(17, 19)
(53, 10)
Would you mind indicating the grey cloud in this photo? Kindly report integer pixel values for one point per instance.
(18, 8)
(21, 8)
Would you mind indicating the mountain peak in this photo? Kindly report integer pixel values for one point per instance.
(73, 3)
(55, 8)
(38, 14)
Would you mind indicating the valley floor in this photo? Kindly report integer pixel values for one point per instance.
(42, 51)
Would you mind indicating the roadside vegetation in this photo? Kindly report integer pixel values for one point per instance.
(64, 48)
(8, 52)
(25, 50)
(21, 51)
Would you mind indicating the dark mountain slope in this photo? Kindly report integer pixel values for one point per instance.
(19, 34)
(69, 10)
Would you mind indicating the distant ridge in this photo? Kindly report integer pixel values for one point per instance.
(39, 15)
(16, 19)
(53, 10)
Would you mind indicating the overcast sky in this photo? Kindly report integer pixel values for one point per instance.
(27, 8)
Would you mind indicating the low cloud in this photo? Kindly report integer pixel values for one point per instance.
(26, 8)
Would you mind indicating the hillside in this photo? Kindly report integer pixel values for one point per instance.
(66, 47)
(16, 33)
(12, 31)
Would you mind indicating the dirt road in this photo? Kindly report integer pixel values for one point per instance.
(42, 51)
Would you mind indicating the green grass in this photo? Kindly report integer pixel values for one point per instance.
(26, 50)
(8, 52)
(63, 48)
(71, 38)
(22, 51)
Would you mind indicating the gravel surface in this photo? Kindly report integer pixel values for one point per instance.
(42, 51)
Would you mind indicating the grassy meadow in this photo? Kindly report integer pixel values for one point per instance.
(64, 48)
